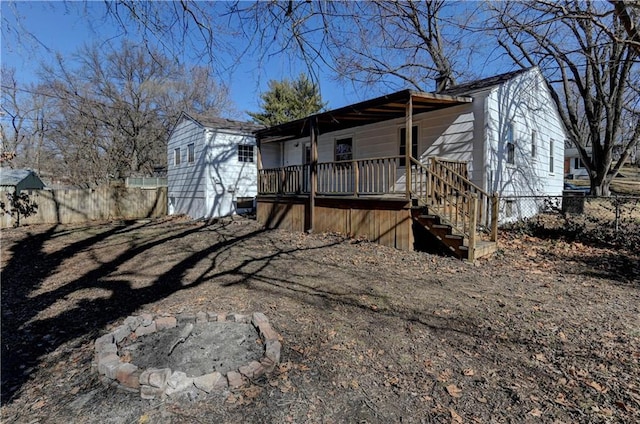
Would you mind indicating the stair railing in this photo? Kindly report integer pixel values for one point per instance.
(458, 202)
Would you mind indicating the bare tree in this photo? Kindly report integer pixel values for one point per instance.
(24, 124)
(114, 109)
(592, 66)
(397, 44)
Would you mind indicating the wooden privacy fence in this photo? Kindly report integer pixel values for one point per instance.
(104, 203)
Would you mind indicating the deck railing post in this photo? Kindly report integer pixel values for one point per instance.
(473, 223)
(356, 177)
(494, 217)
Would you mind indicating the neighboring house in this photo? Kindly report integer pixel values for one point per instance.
(573, 166)
(211, 168)
(346, 170)
(17, 180)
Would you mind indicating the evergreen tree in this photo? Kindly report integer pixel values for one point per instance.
(287, 100)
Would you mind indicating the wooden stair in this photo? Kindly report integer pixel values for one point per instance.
(446, 234)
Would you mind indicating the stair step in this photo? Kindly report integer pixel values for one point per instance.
(441, 226)
(454, 237)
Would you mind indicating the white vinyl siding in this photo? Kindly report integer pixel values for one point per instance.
(210, 185)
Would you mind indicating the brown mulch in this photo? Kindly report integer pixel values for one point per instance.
(544, 330)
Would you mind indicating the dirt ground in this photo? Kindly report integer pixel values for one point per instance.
(543, 331)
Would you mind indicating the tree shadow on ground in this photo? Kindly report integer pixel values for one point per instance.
(26, 338)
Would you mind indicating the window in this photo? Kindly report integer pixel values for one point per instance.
(403, 144)
(533, 144)
(508, 208)
(511, 153)
(344, 149)
(551, 158)
(245, 153)
(577, 163)
(510, 144)
(176, 156)
(191, 153)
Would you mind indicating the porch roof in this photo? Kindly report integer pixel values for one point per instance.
(382, 108)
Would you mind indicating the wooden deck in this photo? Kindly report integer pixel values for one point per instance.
(369, 198)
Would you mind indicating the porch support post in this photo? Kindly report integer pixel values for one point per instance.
(408, 131)
(313, 135)
(259, 164)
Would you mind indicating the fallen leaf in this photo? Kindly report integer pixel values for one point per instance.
(597, 386)
(445, 375)
(468, 372)
(454, 391)
(562, 336)
(562, 400)
(455, 418)
(39, 404)
(144, 419)
(252, 391)
(540, 357)
(535, 412)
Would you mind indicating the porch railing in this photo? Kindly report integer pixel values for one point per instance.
(286, 180)
(373, 176)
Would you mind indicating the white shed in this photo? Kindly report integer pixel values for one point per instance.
(211, 167)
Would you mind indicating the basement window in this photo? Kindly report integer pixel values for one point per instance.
(508, 208)
(245, 153)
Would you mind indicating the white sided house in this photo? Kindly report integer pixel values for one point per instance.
(211, 168)
(346, 170)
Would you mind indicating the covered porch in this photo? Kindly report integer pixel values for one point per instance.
(369, 196)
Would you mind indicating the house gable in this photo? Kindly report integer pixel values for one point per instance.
(524, 142)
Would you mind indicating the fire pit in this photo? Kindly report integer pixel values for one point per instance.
(188, 355)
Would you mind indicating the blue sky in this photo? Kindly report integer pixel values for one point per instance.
(63, 28)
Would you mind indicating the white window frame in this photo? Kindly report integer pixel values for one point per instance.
(551, 156)
(243, 153)
(510, 145)
(534, 145)
(191, 153)
(342, 155)
(176, 156)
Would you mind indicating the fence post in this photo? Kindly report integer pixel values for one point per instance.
(494, 217)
